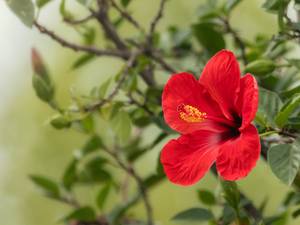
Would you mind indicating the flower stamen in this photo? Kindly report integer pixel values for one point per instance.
(191, 114)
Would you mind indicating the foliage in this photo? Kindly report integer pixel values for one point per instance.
(267, 58)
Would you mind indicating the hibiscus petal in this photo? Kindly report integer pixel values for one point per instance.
(221, 77)
(183, 88)
(187, 159)
(238, 155)
(247, 102)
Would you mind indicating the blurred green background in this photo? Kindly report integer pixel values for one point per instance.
(29, 146)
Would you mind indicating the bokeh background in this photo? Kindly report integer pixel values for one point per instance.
(29, 146)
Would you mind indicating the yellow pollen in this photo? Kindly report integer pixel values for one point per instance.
(192, 115)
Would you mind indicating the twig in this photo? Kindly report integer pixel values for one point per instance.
(126, 15)
(129, 64)
(139, 181)
(75, 22)
(155, 21)
(143, 106)
(236, 38)
(80, 47)
(160, 60)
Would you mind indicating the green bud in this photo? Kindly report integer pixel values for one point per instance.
(230, 191)
(60, 121)
(39, 66)
(43, 90)
(260, 67)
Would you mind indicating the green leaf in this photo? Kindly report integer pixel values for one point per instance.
(208, 37)
(284, 161)
(294, 62)
(86, 58)
(88, 123)
(142, 121)
(62, 7)
(42, 89)
(205, 12)
(261, 67)
(261, 117)
(84, 213)
(286, 110)
(161, 123)
(70, 177)
(47, 186)
(206, 197)
(100, 90)
(291, 92)
(281, 11)
(60, 121)
(89, 35)
(159, 167)
(230, 4)
(157, 140)
(194, 215)
(121, 125)
(296, 213)
(24, 9)
(41, 3)
(230, 191)
(92, 145)
(271, 6)
(101, 197)
(270, 103)
(125, 3)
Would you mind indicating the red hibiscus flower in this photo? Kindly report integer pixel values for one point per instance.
(214, 115)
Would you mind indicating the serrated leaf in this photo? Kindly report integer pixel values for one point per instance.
(270, 103)
(206, 197)
(41, 3)
(286, 110)
(47, 186)
(194, 215)
(81, 61)
(121, 125)
(85, 213)
(24, 9)
(284, 161)
(102, 195)
(208, 37)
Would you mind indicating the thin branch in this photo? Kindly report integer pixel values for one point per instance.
(155, 21)
(80, 47)
(75, 22)
(165, 65)
(236, 38)
(143, 106)
(126, 15)
(139, 181)
(129, 64)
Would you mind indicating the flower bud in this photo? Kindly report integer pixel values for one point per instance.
(43, 90)
(260, 67)
(39, 66)
(60, 121)
(230, 191)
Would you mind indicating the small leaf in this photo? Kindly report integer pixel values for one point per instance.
(41, 3)
(286, 110)
(121, 126)
(161, 123)
(208, 37)
(261, 117)
(83, 60)
(291, 92)
(69, 178)
(24, 9)
(270, 103)
(271, 6)
(296, 213)
(284, 161)
(280, 17)
(159, 167)
(60, 121)
(230, 4)
(101, 197)
(230, 192)
(194, 215)
(85, 214)
(92, 145)
(88, 123)
(62, 7)
(47, 186)
(100, 90)
(261, 67)
(125, 3)
(206, 197)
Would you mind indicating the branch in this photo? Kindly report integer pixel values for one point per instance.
(129, 64)
(165, 65)
(126, 15)
(144, 106)
(75, 22)
(155, 21)
(236, 38)
(139, 181)
(80, 47)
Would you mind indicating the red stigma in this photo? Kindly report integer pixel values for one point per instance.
(180, 107)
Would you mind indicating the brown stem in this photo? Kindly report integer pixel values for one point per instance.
(129, 64)
(126, 15)
(155, 21)
(80, 47)
(75, 22)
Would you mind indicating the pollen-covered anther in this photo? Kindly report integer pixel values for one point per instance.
(191, 114)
